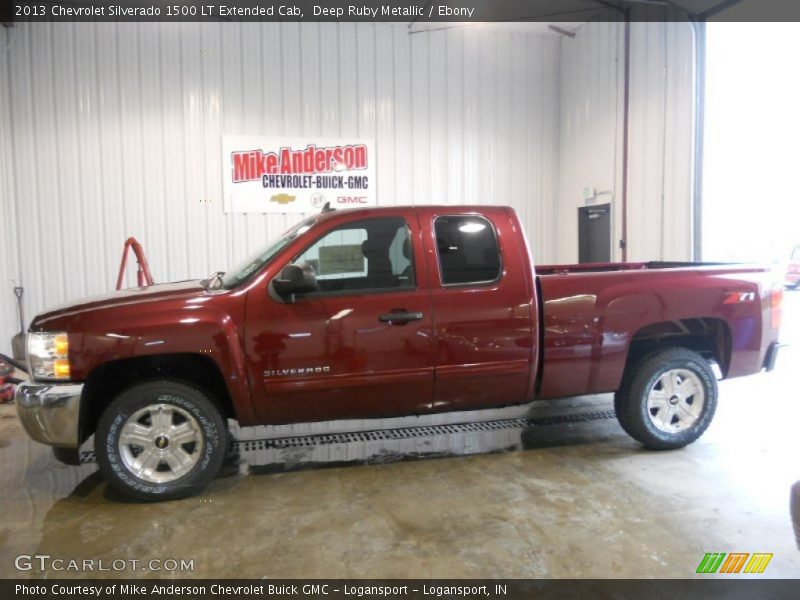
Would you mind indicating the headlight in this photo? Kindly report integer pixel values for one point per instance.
(48, 355)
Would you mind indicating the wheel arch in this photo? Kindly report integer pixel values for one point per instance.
(708, 336)
(108, 380)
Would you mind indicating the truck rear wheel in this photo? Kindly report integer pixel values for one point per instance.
(161, 440)
(668, 400)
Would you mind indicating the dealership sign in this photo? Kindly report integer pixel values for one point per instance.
(296, 175)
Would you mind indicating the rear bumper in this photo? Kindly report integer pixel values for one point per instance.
(771, 356)
(50, 412)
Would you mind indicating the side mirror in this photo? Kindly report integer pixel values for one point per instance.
(295, 279)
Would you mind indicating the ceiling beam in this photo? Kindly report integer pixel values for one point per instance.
(718, 8)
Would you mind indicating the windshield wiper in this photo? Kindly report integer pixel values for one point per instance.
(214, 281)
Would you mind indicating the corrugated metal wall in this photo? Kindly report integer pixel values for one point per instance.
(661, 135)
(112, 130)
(662, 120)
(9, 323)
(591, 127)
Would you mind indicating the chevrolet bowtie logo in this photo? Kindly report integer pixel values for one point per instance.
(282, 198)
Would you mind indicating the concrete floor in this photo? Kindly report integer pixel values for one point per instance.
(566, 500)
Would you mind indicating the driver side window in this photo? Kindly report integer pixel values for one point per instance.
(370, 254)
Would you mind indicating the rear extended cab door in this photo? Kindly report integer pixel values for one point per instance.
(484, 306)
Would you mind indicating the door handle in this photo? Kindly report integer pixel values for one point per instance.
(400, 317)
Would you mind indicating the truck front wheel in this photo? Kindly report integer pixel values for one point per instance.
(668, 400)
(161, 440)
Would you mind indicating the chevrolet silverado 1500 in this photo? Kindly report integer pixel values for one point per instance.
(383, 312)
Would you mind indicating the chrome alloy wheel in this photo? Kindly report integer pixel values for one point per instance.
(160, 443)
(676, 400)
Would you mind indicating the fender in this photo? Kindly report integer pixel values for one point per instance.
(206, 324)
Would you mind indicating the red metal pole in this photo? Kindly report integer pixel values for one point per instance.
(121, 275)
(143, 275)
(144, 268)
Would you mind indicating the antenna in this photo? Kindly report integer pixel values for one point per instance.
(327, 208)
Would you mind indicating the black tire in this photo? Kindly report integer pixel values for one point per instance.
(210, 427)
(631, 401)
(67, 456)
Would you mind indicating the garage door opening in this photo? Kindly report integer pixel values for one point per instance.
(751, 196)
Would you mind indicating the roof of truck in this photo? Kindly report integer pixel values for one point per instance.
(439, 208)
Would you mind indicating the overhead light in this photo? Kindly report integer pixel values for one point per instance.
(471, 227)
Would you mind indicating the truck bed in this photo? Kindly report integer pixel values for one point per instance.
(629, 266)
(593, 313)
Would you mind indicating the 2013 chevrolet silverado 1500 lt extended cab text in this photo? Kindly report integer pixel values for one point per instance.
(383, 312)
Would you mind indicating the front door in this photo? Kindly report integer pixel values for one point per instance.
(361, 346)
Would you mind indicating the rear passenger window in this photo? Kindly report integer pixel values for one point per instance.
(468, 251)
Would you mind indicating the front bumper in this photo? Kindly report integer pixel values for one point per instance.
(50, 412)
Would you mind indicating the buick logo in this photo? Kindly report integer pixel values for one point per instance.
(317, 200)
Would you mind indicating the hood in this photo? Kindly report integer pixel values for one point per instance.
(127, 297)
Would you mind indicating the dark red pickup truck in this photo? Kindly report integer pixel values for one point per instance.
(381, 312)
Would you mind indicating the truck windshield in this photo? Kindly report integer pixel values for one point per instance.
(245, 269)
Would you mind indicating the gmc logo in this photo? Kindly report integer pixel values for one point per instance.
(351, 199)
